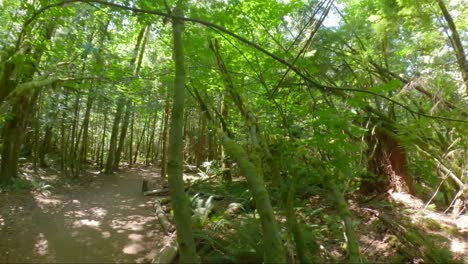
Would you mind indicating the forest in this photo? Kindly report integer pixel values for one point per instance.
(233, 131)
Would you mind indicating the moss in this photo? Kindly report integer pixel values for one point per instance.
(431, 224)
(453, 231)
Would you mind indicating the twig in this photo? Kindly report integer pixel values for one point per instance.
(437, 190)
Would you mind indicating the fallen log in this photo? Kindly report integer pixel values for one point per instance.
(169, 252)
(168, 228)
(156, 192)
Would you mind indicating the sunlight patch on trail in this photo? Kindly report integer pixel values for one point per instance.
(44, 202)
(136, 237)
(436, 223)
(133, 222)
(458, 246)
(133, 248)
(42, 245)
(86, 222)
(95, 212)
(106, 234)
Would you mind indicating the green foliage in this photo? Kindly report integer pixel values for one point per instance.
(21, 184)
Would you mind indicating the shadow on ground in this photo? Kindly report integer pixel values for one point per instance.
(107, 220)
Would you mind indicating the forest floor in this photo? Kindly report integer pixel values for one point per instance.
(99, 219)
(106, 219)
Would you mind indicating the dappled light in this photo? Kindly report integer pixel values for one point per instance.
(132, 222)
(458, 246)
(45, 202)
(217, 131)
(86, 222)
(42, 245)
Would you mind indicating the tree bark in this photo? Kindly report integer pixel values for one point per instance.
(456, 43)
(13, 132)
(273, 249)
(85, 127)
(387, 161)
(179, 199)
(164, 136)
(354, 254)
(123, 134)
(113, 140)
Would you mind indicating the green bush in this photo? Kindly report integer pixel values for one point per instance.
(21, 184)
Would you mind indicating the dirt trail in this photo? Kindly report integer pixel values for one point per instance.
(106, 221)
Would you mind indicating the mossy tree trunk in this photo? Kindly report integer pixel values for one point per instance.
(273, 248)
(180, 202)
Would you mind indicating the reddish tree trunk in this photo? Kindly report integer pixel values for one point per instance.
(387, 161)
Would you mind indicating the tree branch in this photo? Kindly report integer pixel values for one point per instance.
(324, 88)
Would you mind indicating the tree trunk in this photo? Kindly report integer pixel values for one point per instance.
(150, 139)
(200, 149)
(113, 140)
(103, 139)
(456, 43)
(44, 147)
(123, 134)
(273, 248)
(85, 127)
(226, 164)
(74, 139)
(22, 107)
(179, 199)
(13, 131)
(354, 254)
(63, 139)
(130, 144)
(387, 160)
(141, 140)
(164, 136)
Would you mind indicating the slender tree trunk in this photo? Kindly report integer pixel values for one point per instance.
(164, 135)
(273, 248)
(140, 140)
(456, 43)
(130, 144)
(354, 254)
(226, 164)
(148, 140)
(113, 140)
(36, 141)
(85, 127)
(63, 139)
(179, 199)
(123, 134)
(200, 149)
(74, 139)
(103, 140)
(44, 147)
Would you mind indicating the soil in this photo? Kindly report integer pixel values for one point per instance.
(104, 219)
